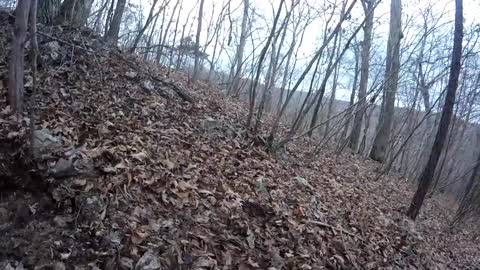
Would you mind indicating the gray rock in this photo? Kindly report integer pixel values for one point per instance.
(210, 123)
(9, 266)
(84, 166)
(44, 141)
(62, 221)
(149, 261)
(74, 166)
(125, 263)
(92, 208)
(53, 48)
(131, 74)
(63, 168)
(113, 239)
(59, 266)
(148, 85)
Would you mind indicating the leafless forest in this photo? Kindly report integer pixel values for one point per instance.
(390, 81)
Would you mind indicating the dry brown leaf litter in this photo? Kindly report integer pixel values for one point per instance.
(151, 181)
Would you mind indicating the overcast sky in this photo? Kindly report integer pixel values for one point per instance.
(265, 8)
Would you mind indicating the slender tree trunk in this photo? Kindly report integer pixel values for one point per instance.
(74, 12)
(17, 61)
(150, 38)
(427, 175)
(469, 189)
(318, 53)
(196, 67)
(172, 48)
(108, 20)
(180, 52)
(285, 75)
(321, 90)
(164, 39)
(47, 11)
(212, 63)
(263, 53)
(364, 73)
(384, 128)
(150, 18)
(352, 98)
(234, 88)
(331, 103)
(114, 27)
(160, 35)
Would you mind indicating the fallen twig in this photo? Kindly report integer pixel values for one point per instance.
(170, 85)
(322, 224)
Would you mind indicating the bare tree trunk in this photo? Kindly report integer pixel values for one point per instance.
(150, 37)
(196, 66)
(163, 41)
(172, 48)
(234, 88)
(74, 12)
(269, 81)
(369, 10)
(384, 128)
(17, 61)
(321, 90)
(180, 53)
(334, 86)
(469, 189)
(274, 128)
(47, 11)
(150, 18)
(160, 36)
(212, 63)
(426, 177)
(108, 20)
(352, 98)
(114, 27)
(368, 119)
(260, 64)
(285, 74)
(34, 55)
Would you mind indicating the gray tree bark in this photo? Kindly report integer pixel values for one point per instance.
(196, 68)
(47, 11)
(384, 128)
(114, 27)
(355, 134)
(426, 177)
(74, 12)
(17, 61)
(240, 49)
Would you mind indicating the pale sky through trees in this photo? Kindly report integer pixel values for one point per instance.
(263, 11)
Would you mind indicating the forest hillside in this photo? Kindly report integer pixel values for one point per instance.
(174, 134)
(121, 164)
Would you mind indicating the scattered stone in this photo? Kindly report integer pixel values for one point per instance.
(90, 208)
(125, 263)
(84, 166)
(303, 182)
(44, 141)
(149, 261)
(210, 123)
(63, 168)
(148, 85)
(59, 266)
(113, 239)
(53, 49)
(62, 221)
(4, 215)
(131, 74)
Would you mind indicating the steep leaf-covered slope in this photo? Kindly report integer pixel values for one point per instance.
(136, 177)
